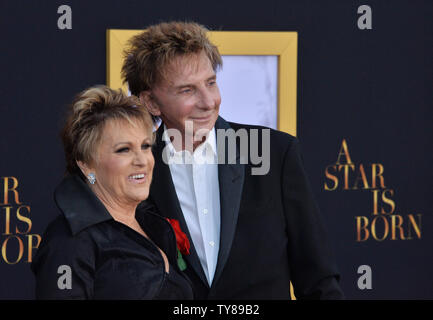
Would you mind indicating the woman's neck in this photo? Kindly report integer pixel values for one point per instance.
(122, 211)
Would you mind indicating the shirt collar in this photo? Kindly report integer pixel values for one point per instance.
(210, 142)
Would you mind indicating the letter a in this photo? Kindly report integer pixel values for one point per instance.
(344, 151)
(65, 20)
(364, 281)
(65, 280)
(364, 21)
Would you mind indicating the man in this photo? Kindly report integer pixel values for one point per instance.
(250, 234)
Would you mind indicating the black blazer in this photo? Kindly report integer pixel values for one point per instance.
(271, 229)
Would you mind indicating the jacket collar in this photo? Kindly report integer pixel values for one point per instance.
(79, 204)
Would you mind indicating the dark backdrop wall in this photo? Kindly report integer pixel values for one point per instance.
(370, 88)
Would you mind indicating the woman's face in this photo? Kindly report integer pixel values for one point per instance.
(123, 163)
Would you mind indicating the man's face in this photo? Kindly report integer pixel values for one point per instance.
(188, 92)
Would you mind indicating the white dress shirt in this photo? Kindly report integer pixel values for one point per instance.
(195, 178)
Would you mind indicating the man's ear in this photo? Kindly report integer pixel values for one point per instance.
(149, 102)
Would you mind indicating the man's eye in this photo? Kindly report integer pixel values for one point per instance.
(212, 83)
(121, 150)
(185, 90)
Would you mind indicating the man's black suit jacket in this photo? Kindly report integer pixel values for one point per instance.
(271, 229)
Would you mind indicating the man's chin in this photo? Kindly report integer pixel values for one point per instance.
(204, 124)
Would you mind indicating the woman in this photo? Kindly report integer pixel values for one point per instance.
(99, 248)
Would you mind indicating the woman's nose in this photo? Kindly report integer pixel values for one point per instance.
(140, 158)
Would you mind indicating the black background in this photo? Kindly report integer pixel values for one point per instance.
(370, 87)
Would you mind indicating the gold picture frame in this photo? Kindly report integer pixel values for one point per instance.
(281, 44)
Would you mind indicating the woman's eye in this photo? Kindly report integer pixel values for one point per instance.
(145, 146)
(122, 150)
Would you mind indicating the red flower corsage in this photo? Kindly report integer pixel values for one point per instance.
(182, 241)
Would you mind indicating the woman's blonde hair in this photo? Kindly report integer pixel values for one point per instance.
(86, 118)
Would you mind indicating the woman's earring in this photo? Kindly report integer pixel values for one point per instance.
(91, 177)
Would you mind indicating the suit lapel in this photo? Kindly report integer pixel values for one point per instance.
(231, 180)
(163, 194)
